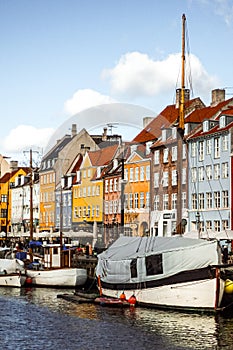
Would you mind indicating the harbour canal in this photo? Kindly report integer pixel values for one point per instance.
(37, 319)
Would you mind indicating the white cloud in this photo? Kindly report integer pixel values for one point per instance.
(25, 137)
(84, 99)
(137, 75)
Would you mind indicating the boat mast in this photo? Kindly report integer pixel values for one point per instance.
(31, 204)
(180, 135)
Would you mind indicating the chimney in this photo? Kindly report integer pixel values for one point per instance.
(218, 95)
(104, 135)
(13, 165)
(146, 121)
(178, 96)
(74, 130)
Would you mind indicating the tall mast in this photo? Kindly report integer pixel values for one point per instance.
(180, 135)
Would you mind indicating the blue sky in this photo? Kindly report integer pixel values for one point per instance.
(59, 57)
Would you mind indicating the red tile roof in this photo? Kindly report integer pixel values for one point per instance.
(102, 156)
(167, 117)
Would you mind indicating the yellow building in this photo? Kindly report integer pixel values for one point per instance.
(88, 191)
(137, 192)
(7, 182)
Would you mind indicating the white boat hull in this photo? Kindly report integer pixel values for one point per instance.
(196, 295)
(12, 280)
(66, 277)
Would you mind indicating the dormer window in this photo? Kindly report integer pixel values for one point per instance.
(222, 121)
(174, 133)
(205, 125)
(164, 135)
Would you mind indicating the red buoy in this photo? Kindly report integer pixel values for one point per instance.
(132, 300)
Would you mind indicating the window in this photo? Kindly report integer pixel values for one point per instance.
(4, 198)
(89, 172)
(201, 201)
(131, 200)
(135, 200)
(136, 174)
(133, 268)
(126, 172)
(184, 151)
(131, 171)
(174, 200)
(156, 157)
(174, 153)
(209, 172)
(225, 142)
(225, 224)
(217, 199)
(183, 200)
(201, 173)
(165, 179)
(194, 174)
(174, 178)
(115, 185)
(154, 265)
(225, 199)
(216, 171)
(184, 176)
(209, 200)
(165, 155)
(193, 149)
(141, 199)
(208, 146)
(97, 190)
(194, 201)
(156, 202)
(216, 147)
(110, 185)
(217, 225)
(208, 225)
(225, 170)
(142, 171)
(201, 151)
(106, 207)
(165, 201)
(106, 186)
(84, 174)
(97, 211)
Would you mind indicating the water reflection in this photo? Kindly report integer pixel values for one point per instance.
(187, 331)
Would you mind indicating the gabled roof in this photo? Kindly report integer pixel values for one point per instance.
(102, 156)
(215, 129)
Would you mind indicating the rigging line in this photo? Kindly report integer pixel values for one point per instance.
(189, 63)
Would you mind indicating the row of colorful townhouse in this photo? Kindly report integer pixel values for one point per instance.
(100, 185)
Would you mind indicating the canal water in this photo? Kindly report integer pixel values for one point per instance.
(36, 319)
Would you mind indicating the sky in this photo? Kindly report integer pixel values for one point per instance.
(61, 57)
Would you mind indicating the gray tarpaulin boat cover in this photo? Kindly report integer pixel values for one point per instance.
(176, 253)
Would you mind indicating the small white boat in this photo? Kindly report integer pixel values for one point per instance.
(12, 273)
(60, 277)
(47, 272)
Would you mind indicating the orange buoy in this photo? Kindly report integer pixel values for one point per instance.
(122, 296)
(132, 300)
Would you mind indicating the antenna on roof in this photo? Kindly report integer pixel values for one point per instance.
(111, 126)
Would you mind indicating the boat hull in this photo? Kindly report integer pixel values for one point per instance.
(67, 278)
(202, 295)
(12, 280)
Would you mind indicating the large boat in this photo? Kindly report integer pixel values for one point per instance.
(165, 272)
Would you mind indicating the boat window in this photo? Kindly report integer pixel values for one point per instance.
(154, 265)
(133, 268)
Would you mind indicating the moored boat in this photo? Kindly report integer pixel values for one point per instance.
(47, 271)
(12, 273)
(164, 272)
